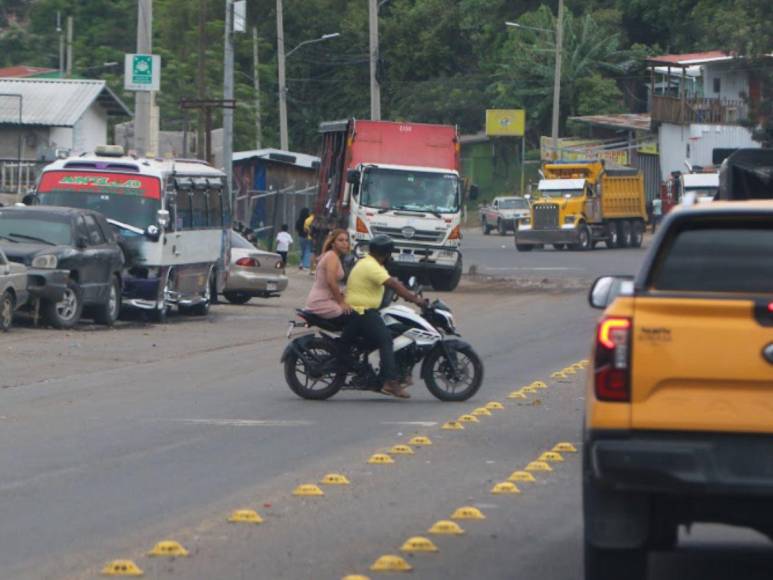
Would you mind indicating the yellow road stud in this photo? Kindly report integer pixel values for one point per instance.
(569, 371)
(519, 394)
(121, 568)
(245, 517)
(446, 527)
(468, 513)
(420, 440)
(401, 450)
(452, 426)
(551, 456)
(504, 488)
(565, 447)
(168, 548)
(335, 479)
(481, 412)
(530, 390)
(539, 466)
(585, 362)
(578, 366)
(539, 385)
(522, 476)
(468, 419)
(390, 563)
(355, 577)
(380, 459)
(495, 406)
(308, 489)
(558, 375)
(418, 544)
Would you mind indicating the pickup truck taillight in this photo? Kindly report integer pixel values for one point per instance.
(611, 369)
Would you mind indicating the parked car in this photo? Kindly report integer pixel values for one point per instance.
(74, 260)
(504, 214)
(252, 272)
(13, 290)
(678, 423)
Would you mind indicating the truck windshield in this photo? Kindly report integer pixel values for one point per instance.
(410, 190)
(561, 192)
(513, 204)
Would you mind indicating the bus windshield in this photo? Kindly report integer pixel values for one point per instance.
(410, 190)
(129, 199)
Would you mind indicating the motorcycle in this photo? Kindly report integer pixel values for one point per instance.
(450, 368)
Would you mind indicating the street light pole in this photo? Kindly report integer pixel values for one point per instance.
(256, 84)
(375, 89)
(280, 49)
(228, 95)
(557, 76)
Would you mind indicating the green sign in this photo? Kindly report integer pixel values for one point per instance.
(142, 69)
(142, 72)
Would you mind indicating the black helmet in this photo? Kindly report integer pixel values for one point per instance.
(381, 246)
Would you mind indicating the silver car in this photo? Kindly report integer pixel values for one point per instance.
(13, 289)
(252, 272)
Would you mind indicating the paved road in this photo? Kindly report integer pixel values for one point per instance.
(111, 440)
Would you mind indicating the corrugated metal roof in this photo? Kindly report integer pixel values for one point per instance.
(630, 121)
(55, 102)
(691, 58)
(278, 156)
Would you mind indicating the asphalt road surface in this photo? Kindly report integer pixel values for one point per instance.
(113, 440)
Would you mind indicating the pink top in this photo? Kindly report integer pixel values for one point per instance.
(320, 300)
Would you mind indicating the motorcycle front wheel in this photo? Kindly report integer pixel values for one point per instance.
(453, 380)
(318, 379)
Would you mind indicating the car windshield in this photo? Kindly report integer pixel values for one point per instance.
(19, 227)
(719, 256)
(513, 204)
(561, 192)
(410, 190)
(134, 210)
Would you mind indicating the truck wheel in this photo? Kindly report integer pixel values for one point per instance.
(66, 313)
(523, 247)
(484, 226)
(637, 234)
(626, 234)
(447, 281)
(501, 229)
(583, 239)
(613, 236)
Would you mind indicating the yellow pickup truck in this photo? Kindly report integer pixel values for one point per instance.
(679, 405)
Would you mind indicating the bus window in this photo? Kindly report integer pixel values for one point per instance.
(184, 216)
(214, 208)
(199, 207)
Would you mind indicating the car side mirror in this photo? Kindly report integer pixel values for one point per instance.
(162, 217)
(607, 288)
(81, 242)
(352, 176)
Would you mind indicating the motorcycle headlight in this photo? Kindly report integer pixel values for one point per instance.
(46, 261)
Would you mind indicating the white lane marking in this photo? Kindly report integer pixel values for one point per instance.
(535, 269)
(416, 423)
(243, 422)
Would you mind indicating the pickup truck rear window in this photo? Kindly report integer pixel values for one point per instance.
(717, 256)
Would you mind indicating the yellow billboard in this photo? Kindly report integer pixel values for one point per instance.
(505, 122)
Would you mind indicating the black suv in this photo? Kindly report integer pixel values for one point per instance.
(77, 242)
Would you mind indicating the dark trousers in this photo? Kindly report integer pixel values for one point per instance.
(371, 327)
(284, 257)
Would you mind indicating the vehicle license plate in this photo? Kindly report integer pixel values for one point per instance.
(406, 258)
(271, 286)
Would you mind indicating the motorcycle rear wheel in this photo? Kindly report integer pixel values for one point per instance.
(438, 376)
(299, 378)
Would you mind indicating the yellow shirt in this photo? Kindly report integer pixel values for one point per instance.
(365, 288)
(307, 224)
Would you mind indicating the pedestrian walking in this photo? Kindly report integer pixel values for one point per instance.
(657, 212)
(304, 238)
(283, 242)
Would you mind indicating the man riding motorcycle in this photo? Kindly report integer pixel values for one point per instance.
(365, 293)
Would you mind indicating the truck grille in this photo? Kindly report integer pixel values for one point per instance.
(545, 216)
(418, 235)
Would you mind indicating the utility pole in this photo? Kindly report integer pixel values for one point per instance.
(280, 50)
(557, 76)
(60, 32)
(143, 100)
(68, 70)
(202, 139)
(375, 89)
(256, 81)
(228, 95)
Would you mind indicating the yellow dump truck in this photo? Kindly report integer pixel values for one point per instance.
(582, 203)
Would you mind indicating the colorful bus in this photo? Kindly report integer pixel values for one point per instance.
(172, 218)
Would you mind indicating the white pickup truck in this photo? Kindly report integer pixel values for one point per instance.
(503, 214)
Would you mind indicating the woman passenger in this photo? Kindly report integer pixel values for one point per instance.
(326, 299)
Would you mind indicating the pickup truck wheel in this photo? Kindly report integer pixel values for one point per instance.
(637, 234)
(484, 226)
(66, 313)
(108, 313)
(613, 236)
(501, 229)
(626, 234)
(523, 247)
(7, 304)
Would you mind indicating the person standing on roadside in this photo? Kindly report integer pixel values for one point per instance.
(657, 212)
(303, 238)
(283, 242)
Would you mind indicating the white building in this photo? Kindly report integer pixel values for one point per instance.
(699, 103)
(40, 118)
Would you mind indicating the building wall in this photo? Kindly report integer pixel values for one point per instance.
(90, 130)
(494, 166)
(61, 138)
(34, 142)
(695, 143)
(732, 83)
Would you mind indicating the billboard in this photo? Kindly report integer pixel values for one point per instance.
(505, 122)
(572, 149)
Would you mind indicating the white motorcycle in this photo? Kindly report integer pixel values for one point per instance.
(450, 367)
